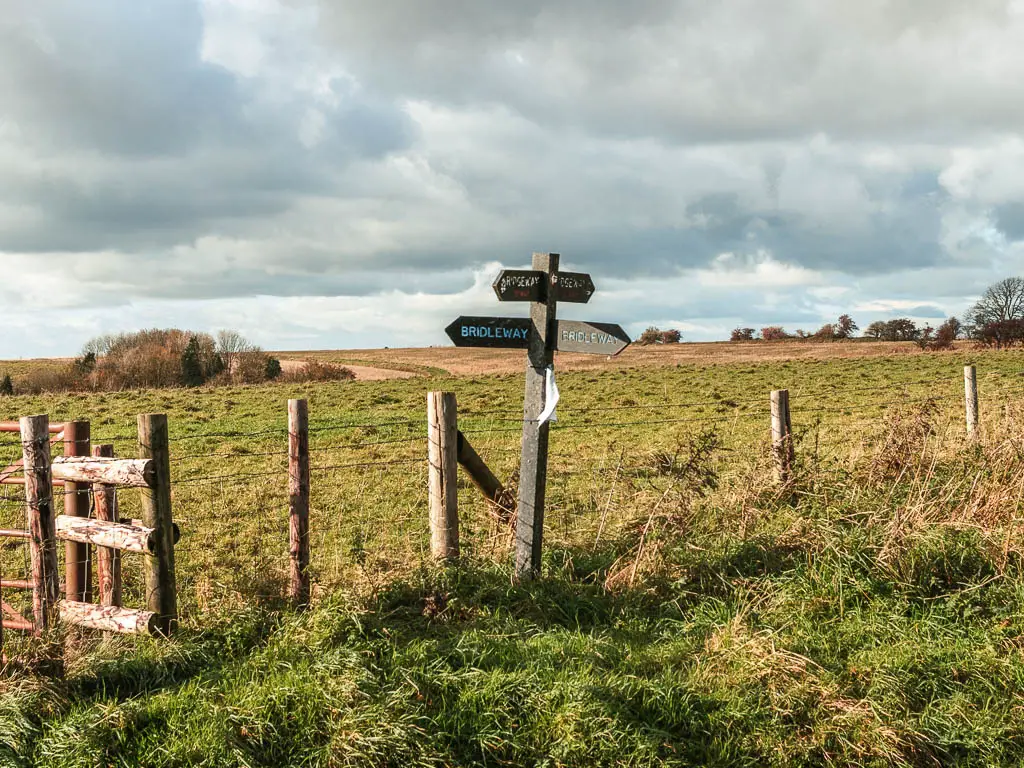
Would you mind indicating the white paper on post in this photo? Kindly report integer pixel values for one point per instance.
(550, 397)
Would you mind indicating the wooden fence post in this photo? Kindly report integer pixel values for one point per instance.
(35, 440)
(161, 590)
(298, 500)
(443, 450)
(971, 399)
(782, 435)
(77, 563)
(108, 559)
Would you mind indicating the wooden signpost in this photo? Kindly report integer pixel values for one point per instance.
(542, 334)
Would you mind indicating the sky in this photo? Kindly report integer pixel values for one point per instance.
(354, 174)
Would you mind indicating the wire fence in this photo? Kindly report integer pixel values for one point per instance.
(369, 479)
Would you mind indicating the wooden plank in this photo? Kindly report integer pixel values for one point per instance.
(298, 500)
(482, 477)
(15, 533)
(19, 480)
(126, 473)
(161, 588)
(533, 469)
(123, 536)
(77, 498)
(442, 450)
(109, 618)
(15, 426)
(108, 559)
(23, 625)
(15, 584)
(43, 541)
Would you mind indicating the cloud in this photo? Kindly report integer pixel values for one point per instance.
(344, 173)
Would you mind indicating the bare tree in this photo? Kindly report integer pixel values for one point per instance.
(230, 344)
(1001, 301)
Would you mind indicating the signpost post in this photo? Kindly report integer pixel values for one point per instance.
(541, 335)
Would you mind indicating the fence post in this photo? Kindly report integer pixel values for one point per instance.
(161, 590)
(443, 448)
(782, 435)
(108, 559)
(35, 440)
(77, 563)
(298, 500)
(971, 399)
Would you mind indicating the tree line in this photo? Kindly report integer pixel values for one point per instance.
(995, 320)
(171, 357)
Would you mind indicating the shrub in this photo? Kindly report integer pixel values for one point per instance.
(315, 370)
(774, 333)
(827, 332)
(46, 379)
(651, 336)
(925, 338)
(671, 336)
(945, 335)
(1003, 333)
(742, 334)
(6, 386)
(251, 366)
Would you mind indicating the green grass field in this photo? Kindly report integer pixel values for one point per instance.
(691, 611)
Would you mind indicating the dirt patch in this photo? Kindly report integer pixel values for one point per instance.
(362, 372)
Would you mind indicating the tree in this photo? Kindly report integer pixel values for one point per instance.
(903, 329)
(6, 386)
(742, 334)
(1001, 301)
(273, 370)
(876, 330)
(229, 345)
(671, 336)
(845, 327)
(192, 372)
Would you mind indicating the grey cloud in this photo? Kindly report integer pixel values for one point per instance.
(159, 147)
(692, 70)
(1010, 220)
(120, 77)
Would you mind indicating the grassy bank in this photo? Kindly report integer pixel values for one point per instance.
(691, 613)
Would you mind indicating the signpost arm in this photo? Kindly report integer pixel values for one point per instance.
(533, 470)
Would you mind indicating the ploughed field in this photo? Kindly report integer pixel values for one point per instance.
(692, 612)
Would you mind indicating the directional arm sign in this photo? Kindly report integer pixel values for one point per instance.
(575, 287)
(531, 285)
(504, 332)
(521, 285)
(591, 338)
